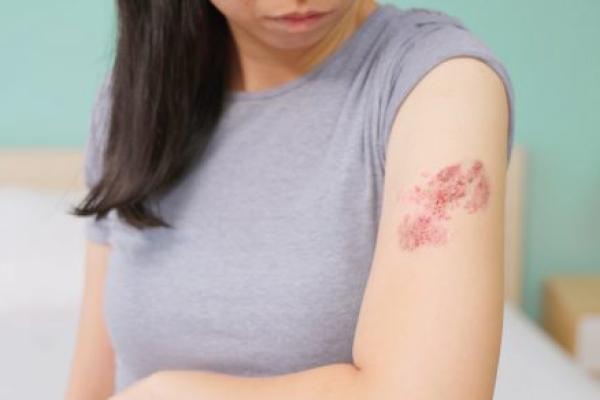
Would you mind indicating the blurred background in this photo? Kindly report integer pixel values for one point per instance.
(54, 55)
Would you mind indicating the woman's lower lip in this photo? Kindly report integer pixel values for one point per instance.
(298, 23)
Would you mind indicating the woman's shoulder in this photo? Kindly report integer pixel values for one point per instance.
(417, 40)
(408, 26)
(416, 37)
(418, 17)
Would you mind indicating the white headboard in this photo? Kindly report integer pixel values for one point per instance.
(61, 170)
(51, 169)
(516, 196)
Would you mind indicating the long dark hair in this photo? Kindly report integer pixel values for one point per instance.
(168, 87)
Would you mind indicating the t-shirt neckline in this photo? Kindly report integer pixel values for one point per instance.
(367, 25)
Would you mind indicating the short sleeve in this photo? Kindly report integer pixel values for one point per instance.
(433, 38)
(97, 230)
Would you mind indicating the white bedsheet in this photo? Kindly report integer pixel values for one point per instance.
(533, 366)
(41, 278)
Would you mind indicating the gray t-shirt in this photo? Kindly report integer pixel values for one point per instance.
(275, 229)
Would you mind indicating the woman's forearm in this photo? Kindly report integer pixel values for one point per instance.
(328, 382)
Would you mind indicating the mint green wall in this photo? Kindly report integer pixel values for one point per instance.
(54, 54)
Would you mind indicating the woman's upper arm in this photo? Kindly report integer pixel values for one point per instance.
(431, 319)
(92, 367)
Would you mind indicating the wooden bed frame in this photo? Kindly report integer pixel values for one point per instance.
(61, 170)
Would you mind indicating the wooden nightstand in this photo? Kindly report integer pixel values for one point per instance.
(571, 314)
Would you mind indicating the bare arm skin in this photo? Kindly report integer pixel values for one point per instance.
(430, 324)
(92, 370)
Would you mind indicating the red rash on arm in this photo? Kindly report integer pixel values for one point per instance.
(449, 190)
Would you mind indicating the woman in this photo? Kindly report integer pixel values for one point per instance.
(294, 208)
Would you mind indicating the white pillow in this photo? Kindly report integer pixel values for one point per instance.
(41, 249)
(41, 284)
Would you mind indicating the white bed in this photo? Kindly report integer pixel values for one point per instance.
(41, 277)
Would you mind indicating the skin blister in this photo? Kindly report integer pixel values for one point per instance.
(452, 189)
